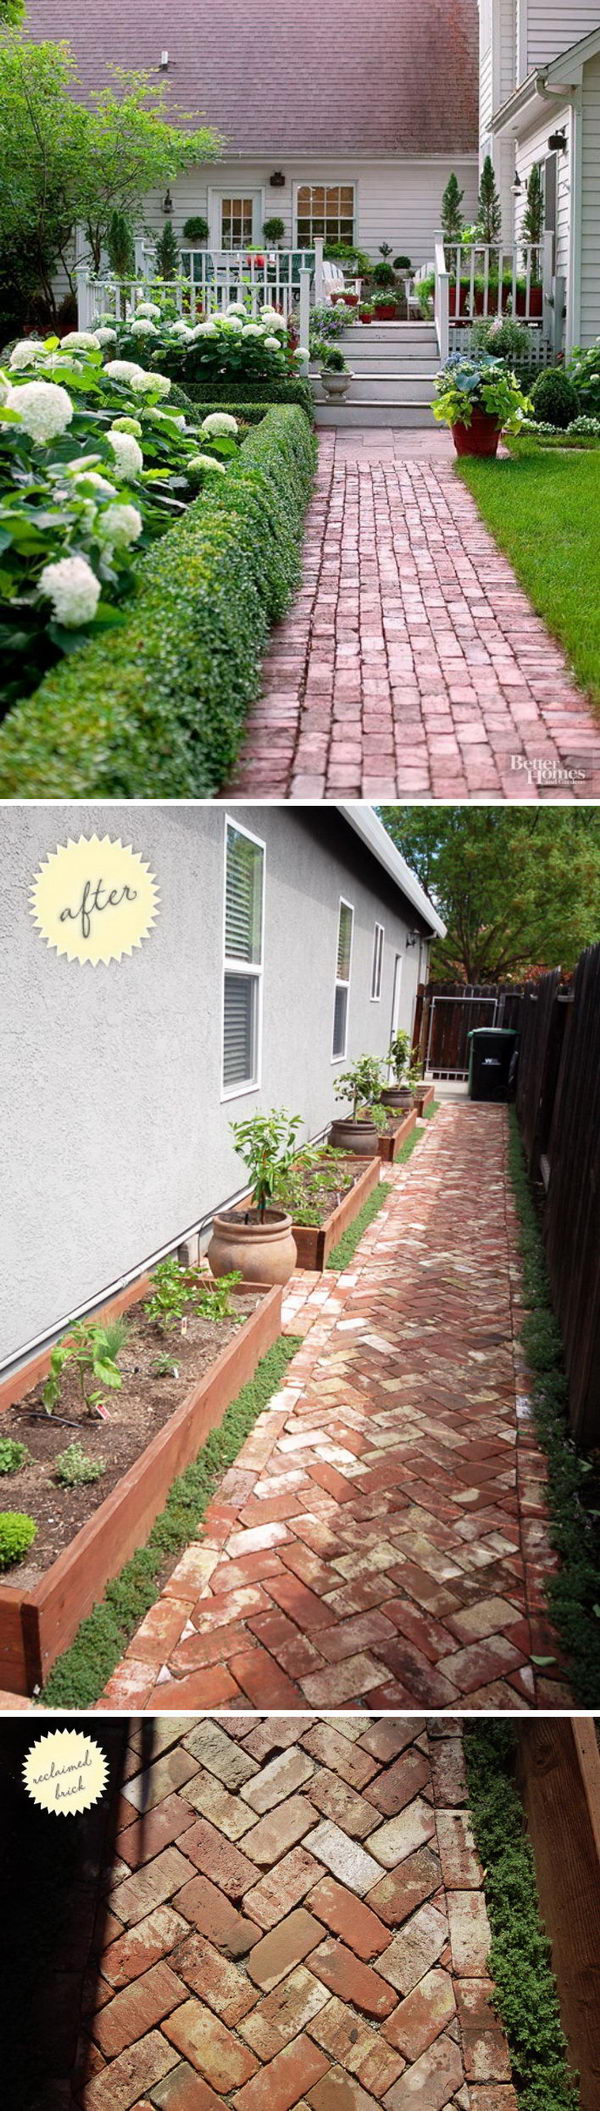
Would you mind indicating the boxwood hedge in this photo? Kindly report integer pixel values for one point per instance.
(233, 393)
(158, 710)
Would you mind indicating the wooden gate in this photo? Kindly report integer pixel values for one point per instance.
(447, 1012)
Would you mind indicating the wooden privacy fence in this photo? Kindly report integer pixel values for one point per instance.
(558, 1106)
(447, 1012)
(559, 1774)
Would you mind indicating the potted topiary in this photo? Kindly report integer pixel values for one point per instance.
(274, 230)
(479, 398)
(195, 229)
(334, 372)
(359, 1131)
(554, 398)
(366, 312)
(398, 1094)
(255, 1239)
(385, 295)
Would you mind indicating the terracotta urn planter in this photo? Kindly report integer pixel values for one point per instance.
(480, 438)
(396, 1096)
(262, 1252)
(359, 1136)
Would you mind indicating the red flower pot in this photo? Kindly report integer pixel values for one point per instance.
(351, 299)
(385, 312)
(481, 437)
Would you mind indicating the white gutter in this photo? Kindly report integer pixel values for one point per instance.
(372, 832)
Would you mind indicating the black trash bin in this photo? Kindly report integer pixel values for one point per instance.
(491, 1051)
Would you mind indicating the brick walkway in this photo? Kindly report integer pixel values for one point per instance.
(381, 1540)
(297, 1919)
(412, 663)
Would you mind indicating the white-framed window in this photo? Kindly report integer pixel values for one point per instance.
(376, 969)
(243, 948)
(237, 221)
(343, 967)
(326, 209)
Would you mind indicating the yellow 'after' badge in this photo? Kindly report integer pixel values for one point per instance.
(94, 900)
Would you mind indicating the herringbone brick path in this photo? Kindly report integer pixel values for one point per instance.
(381, 1540)
(297, 1919)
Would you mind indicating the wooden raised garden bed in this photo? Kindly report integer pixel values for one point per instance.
(390, 1143)
(315, 1242)
(36, 1625)
(423, 1098)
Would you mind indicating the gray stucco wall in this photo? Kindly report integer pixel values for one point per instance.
(115, 1138)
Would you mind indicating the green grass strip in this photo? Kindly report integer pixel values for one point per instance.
(543, 510)
(433, 1108)
(574, 1592)
(526, 1994)
(79, 1676)
(346, 1247)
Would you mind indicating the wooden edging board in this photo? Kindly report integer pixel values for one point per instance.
(390, 1145)
(315, 1242)
(559, 1775)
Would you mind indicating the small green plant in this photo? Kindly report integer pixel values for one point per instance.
(468, 384)
(398, 1053)
(274, 229)
(177, 1290)
(362, 1085)
(452, 219)
(503, 339)
(332, 359)
(167, 252)
(17, 1533)
(383, 276)
(196, 228)
(554, 398)
(164, 1367)
(73, 1467)
(414, 1075)
(267, 1145)
(12, 1455)
(584, 372)
(120, 246)
(402, 264)
(92, 1352)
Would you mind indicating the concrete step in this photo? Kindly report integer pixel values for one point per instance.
(396, 414)
(374, 359)
(386, 388)
(391, 333)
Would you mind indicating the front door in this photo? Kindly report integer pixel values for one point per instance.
(237, 219)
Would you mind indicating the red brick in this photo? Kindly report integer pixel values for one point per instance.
(303, 1605)
(282, 1948)
(216, 1918)
(155, 1829)
(139, 1894)
(263, 1681)
(405, 1888)
(219, 1859)
(210, 2047)
(117, 2088)
(352, 1980)
(399, 1783)
(142, 1946)
(214, 1977)
(283, 2013)
(286, 2079)
(282, 1888)
(183, 2090)
(422, 2015)
(137, 2009)
(350, 1917)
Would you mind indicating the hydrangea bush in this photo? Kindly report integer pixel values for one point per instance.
(230, 344)
(94, 465)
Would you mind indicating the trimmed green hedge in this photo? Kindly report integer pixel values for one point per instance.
(233, 394)
(158, 710)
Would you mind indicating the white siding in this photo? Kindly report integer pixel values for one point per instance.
(508, 49)
(535, 148)
(486, 67)
(590, 206)
(553, 25)
(396, 201)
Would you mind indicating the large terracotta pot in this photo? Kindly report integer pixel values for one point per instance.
(263, 1253)
(358, 1136)
(396, 1096)
(386, 312)
(481, 437)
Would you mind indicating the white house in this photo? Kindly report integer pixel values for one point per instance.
(343, 120)
(540, 102)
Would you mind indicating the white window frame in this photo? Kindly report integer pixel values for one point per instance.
(216, 195)
(377, 962)
(340, 980)
(315, 183)
(243, 967)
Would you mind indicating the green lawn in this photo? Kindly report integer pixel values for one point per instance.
(544, 509)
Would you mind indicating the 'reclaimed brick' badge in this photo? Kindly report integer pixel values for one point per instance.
(65, 1772)
(94, 900)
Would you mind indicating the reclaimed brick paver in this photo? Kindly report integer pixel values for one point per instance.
(412, 663)
(332, 2007)
(419, 1582)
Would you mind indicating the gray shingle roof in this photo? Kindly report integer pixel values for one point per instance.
(316, 76)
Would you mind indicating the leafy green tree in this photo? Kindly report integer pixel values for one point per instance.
(65, 165)
(452, 215)
(11, 11)
(517, 890)
(489, 215)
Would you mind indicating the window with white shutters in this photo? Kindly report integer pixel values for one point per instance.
(342, 980)
(377, 963)
(243, 961)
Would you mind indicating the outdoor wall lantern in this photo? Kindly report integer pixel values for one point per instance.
(277, 180)
(516, 185)
(412, 939)
(164, 61)
(167, 204)
(557, 143)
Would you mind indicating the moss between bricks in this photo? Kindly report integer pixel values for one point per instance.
(526, 1995)
(159, 711)
(574, 1591)
(346, 1247)
(79, 1676)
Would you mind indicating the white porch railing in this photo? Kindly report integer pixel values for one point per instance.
(207, 282)
(479, 280)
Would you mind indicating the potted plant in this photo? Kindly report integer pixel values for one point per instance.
(255, 1239)
(478, 397)
(195, 229)
(273, 231)
(359, 1131)
(366, 312)
(398, 1094)
(335, 374)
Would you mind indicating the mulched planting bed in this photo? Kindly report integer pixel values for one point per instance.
(392, 1138)
(320, 1218)
(142, 1407)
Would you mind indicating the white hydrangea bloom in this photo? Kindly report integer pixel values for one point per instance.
(129, 460)
(208, 329)
(82, 340)
(272, 344)
(236, 308)
(253, 330)
(100, 483)
(124, 370)
(120, 525)
(272, 316)
(301, 352)
(181, 329)
(148, 308)
(131, 425)
(4, 389)
(230, 322)
(142, 383)
(206, 461)
(143, 327)
(25, 352)
(106, 335)
(73, 589)
(44, 409)
(219, 421)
